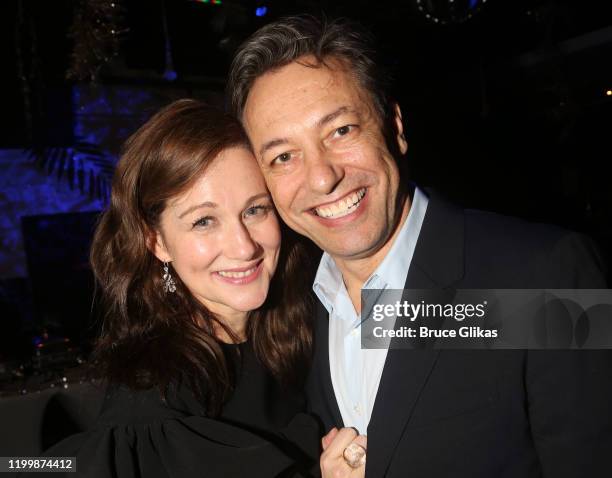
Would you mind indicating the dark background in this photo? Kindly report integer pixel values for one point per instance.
(504, 105)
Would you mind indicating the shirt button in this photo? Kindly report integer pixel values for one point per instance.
(354, 332)
(357, 409)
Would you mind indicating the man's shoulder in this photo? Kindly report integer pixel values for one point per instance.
(494, 228)
(486, 249)
(485, 229)
(548, 254)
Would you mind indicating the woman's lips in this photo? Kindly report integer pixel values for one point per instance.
(240, 276)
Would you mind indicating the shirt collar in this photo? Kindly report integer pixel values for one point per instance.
(391, 272)
(327, 282)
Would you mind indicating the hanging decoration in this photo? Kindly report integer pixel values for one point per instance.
(29, 70)
(169, 71)
(449, 11)
(96, 30)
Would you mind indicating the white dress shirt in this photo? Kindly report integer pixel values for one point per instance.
(356, 372)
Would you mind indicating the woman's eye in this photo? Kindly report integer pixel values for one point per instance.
(258, 210)
(203, 222)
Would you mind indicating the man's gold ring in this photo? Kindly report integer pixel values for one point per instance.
(354, 455)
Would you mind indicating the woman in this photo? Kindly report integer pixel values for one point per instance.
(206, 339)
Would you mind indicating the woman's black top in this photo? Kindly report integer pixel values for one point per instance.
(261, 432)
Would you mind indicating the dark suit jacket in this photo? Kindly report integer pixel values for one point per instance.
(477, 413)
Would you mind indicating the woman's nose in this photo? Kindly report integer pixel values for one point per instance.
(239, 244)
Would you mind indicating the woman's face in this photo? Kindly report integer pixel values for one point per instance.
(222, 235)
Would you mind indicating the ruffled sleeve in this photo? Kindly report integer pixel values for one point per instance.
(138, 435)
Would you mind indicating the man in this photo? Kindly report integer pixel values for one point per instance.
(331, 146)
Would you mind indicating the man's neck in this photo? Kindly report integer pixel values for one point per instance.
(355, 272)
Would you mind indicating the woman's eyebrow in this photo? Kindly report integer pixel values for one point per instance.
(197, 206)
(256, 197)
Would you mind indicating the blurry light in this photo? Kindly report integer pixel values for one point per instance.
(170, 75)
(609, 93)
(261, 11)
(449, 11)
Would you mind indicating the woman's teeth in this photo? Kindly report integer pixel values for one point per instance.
(343, 207)
(237, 275)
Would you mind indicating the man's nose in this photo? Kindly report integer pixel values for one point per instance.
(240, 244)
(324, 171)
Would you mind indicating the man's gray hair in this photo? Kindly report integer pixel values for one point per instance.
(289, 39)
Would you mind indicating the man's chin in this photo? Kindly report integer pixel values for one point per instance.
(351, 251)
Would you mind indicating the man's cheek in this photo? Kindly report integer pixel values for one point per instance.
(283, 198)
(293, 219)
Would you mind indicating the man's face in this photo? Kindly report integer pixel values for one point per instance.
(320, 145)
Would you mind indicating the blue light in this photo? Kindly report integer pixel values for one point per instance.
(170, 75)
(473, 4)
(261, 11)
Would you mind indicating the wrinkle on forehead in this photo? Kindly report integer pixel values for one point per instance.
(289, 86)
(278, 90)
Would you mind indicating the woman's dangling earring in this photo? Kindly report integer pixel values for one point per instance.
(169, 284)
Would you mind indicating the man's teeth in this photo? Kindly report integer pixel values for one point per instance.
(342, 208)
(237, 275)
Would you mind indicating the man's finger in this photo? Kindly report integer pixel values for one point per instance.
(341, 440)
(361, 440)
(327, 439)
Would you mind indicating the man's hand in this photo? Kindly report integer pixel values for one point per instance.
(333, 463)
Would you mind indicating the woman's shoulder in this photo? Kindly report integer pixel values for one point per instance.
(126, 406)
(140, 433)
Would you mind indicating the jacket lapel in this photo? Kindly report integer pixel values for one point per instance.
(322, 364)
(437, 263)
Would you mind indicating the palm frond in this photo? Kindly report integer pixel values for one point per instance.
(83, 165)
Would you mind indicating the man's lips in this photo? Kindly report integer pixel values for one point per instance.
(341, 207)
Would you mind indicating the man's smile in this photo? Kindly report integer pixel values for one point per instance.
(343, 207)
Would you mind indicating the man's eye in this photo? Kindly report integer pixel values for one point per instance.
(343, 130)
(282, 158)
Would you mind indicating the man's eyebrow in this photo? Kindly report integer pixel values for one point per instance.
(333, 115)
(197, 206)
(328, 118)
(272, 144)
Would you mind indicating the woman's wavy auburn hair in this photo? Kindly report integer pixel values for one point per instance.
(150, 338)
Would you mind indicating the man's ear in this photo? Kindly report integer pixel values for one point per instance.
(157, 245)
(399, 129)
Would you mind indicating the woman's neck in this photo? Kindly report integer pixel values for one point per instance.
(236, 323)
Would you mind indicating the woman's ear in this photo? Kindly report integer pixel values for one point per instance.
(157, 245)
